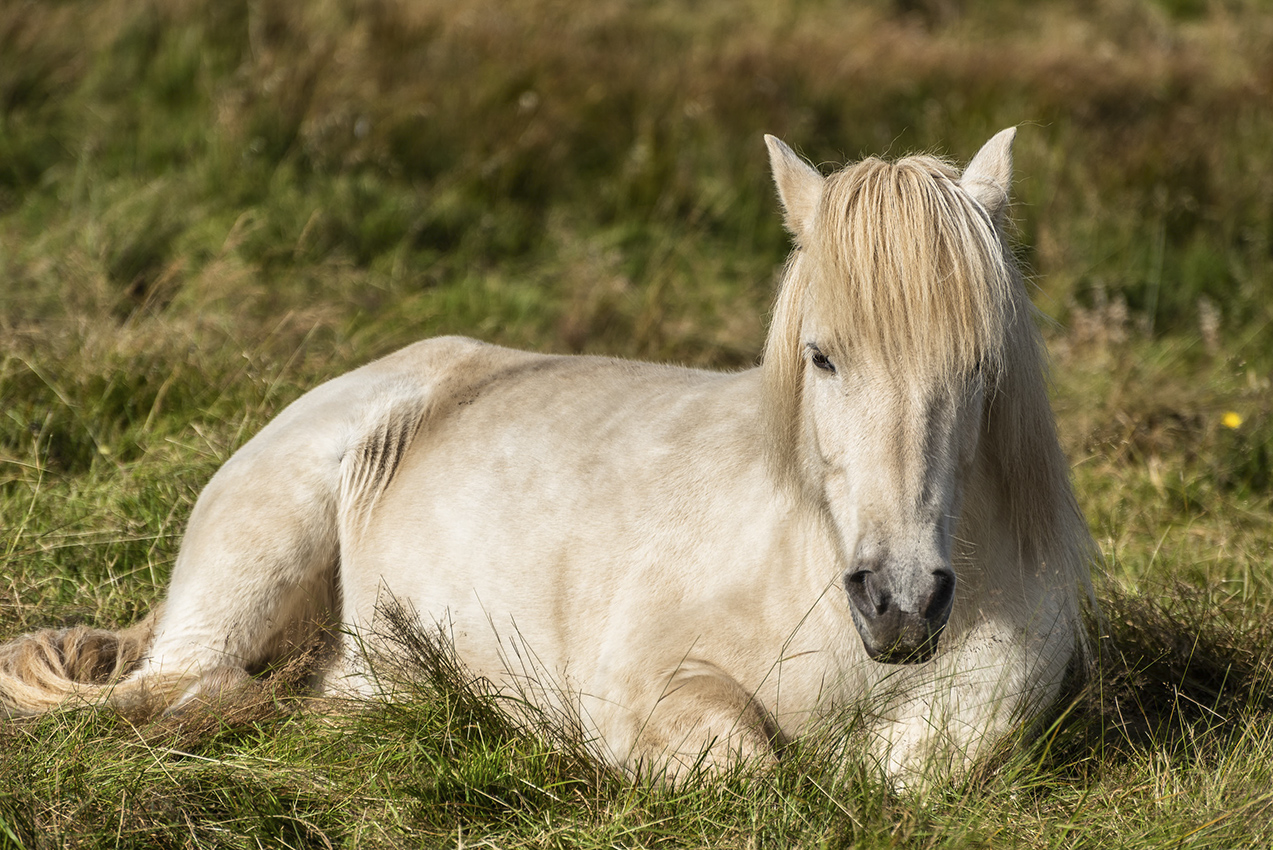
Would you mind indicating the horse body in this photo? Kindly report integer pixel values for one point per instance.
(696, 562)
(656, 538)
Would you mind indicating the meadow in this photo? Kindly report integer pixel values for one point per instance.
(208, 207)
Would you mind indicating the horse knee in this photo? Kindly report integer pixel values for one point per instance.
(704, 720)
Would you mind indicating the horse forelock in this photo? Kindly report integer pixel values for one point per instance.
(900, 266)
(906, 267)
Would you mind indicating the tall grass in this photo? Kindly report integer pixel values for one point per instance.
(206, 208)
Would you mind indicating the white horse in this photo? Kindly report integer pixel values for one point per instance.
(878, 516)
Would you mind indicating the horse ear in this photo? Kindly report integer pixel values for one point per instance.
(989, 176)
(799, 186)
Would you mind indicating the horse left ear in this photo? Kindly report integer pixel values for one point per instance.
(799, 186)
(989, 176)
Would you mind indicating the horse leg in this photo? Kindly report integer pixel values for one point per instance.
(703, 719)
(256, 575)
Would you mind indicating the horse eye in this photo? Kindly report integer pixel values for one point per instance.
(820, 360)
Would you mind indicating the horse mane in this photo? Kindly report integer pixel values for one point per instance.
(908, 267)
(902, 265)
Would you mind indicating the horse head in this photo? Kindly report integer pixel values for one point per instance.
(887, 342)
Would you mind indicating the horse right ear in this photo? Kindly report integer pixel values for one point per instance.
(799, 186)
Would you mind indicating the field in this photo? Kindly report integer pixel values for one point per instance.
(208, 207)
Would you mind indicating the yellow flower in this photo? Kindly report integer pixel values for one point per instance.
(1232, 419)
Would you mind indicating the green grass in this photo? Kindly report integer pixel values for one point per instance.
(206, 208)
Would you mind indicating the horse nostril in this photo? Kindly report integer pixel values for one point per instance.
(855, 587)
(866, 593)
(943, 594)
(880, 597)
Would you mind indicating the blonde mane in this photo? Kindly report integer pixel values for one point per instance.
(907, 267)
(900, 265)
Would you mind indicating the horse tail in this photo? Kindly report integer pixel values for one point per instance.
(51, 668)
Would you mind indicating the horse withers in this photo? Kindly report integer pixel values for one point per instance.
(700, 563)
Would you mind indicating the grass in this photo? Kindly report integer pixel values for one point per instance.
(207, 208)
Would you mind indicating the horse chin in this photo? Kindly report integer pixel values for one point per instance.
(902, 651)
(902, 655)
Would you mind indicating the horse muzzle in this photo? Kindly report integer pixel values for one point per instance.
(900, 624)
